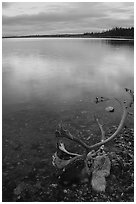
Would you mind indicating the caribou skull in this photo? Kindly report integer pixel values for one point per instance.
(94, 164)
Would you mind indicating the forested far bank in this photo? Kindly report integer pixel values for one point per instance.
(123, 33)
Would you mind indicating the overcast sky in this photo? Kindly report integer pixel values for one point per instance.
(63, 17)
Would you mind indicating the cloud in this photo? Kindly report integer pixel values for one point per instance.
(5, 5)
(61, 17)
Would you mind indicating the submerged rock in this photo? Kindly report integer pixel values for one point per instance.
(109, 109)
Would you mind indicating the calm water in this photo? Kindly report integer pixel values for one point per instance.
(46, 81)
(65, 70)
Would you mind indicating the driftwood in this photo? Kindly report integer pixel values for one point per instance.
(94, 165)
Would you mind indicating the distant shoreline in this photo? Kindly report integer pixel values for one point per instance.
(120, 33)
(71, 36)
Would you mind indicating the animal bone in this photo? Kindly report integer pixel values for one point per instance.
(100, 170)
(94, 161)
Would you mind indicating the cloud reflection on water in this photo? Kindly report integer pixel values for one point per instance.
(64, 70)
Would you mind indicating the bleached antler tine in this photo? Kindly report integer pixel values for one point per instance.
(101, 128)
(116, 132)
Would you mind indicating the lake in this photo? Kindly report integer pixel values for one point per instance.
(64, 70)
(46, 81)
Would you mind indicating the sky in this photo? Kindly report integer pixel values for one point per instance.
(24, 18)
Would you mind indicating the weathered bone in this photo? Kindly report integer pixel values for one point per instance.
(95, 162)
(100, 170)
(62, 148)
(59, 162)
(102, 131)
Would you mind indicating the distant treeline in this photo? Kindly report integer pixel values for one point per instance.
(115, 32)
(127, 33)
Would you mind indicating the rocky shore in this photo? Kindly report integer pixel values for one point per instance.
(29, 176)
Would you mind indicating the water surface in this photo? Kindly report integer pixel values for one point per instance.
(65, 70)
(45, 81)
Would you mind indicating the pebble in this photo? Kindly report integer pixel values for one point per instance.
(74, 185)
(11, 167)
(122, 194)
(109, 109)
(5, 173)
(38, 184)
(130, 189)
(54, 185)
(18, 197)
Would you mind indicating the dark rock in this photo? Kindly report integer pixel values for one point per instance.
(130, 189)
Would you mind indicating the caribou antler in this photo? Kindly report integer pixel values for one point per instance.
(102, 131)
(93, 163)
(66, 134)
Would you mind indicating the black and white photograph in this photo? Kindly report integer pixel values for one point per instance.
(68, 101)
